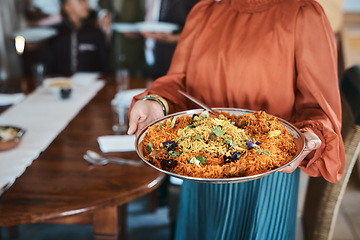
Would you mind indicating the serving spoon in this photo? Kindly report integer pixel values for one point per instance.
(199, 103)
(96, 159)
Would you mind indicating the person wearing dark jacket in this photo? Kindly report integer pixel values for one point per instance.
(172, 11)
(79, 45)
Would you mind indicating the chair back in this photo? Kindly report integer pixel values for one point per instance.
(323, 198)
(350, 86)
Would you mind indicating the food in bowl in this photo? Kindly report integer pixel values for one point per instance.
(56, 84)
(8, 133)
(10, 137)
(60, 84)
(204, 146)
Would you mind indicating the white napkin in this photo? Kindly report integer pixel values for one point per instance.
(84, 78)
(11, 99)
(125, 97)
(117, 143)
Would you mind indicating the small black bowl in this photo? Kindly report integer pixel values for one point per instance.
(65, 93)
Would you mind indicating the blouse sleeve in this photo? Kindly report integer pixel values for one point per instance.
(167, 85)
(318, 104)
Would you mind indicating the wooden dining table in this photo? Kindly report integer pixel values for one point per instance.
(61, 187)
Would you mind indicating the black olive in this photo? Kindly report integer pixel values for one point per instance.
(227, 159)
(168, 164)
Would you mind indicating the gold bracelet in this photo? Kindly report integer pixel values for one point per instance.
(161, 100)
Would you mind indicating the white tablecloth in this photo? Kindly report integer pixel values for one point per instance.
(43, 115)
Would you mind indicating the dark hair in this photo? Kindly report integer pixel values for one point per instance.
(62, 2)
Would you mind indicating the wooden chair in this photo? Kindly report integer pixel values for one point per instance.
(323, 198)
(350, 86)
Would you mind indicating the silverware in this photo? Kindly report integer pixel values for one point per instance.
(201, 104)
(96, 159)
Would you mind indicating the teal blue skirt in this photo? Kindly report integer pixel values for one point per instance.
(265, 208)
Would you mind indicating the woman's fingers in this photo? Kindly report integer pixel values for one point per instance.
(312, 142)
(133, 122)
(143, 113)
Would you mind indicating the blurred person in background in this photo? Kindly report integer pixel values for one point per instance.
(10, 20)
(158, 46)
(80, 44)
(43, 13)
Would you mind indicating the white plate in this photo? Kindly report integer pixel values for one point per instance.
(157, 27)
(125, 27)
(36, 34)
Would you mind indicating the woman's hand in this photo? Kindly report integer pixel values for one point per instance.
(162, 36)
(312, 142)
(104, 21)
(143, 113)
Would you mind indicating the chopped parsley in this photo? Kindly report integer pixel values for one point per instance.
(217, 131)
(201, 159)
(197, 137)
(197, 160)
(263, 151)
(160, 127)
(184, 138)
(174, 154)
(231, 143)
(150, 147)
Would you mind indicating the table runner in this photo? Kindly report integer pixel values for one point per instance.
(43, 115)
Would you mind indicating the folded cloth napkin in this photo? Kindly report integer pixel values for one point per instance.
(11, 98)
(84, 78)
(117, 143)
(125, 97)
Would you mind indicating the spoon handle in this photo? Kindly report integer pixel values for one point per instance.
(123, 161)
(199, 103)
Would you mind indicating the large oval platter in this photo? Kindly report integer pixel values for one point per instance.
(299, 141)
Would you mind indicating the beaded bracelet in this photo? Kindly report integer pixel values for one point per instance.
(157, 98)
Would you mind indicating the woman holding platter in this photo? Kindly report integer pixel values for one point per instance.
(278, 56)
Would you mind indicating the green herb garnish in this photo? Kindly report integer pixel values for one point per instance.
(217, 131)
(184, 138)
(197, 137)
(174, 154)
(201, 159)
(231, 143)
(150, 147)
(263, 151)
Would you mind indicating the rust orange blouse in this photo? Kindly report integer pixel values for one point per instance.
(273, 55)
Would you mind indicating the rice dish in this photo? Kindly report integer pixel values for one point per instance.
(205, 146)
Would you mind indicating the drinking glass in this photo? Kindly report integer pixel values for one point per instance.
(122, 79)
(38, 70)
(120, 109)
